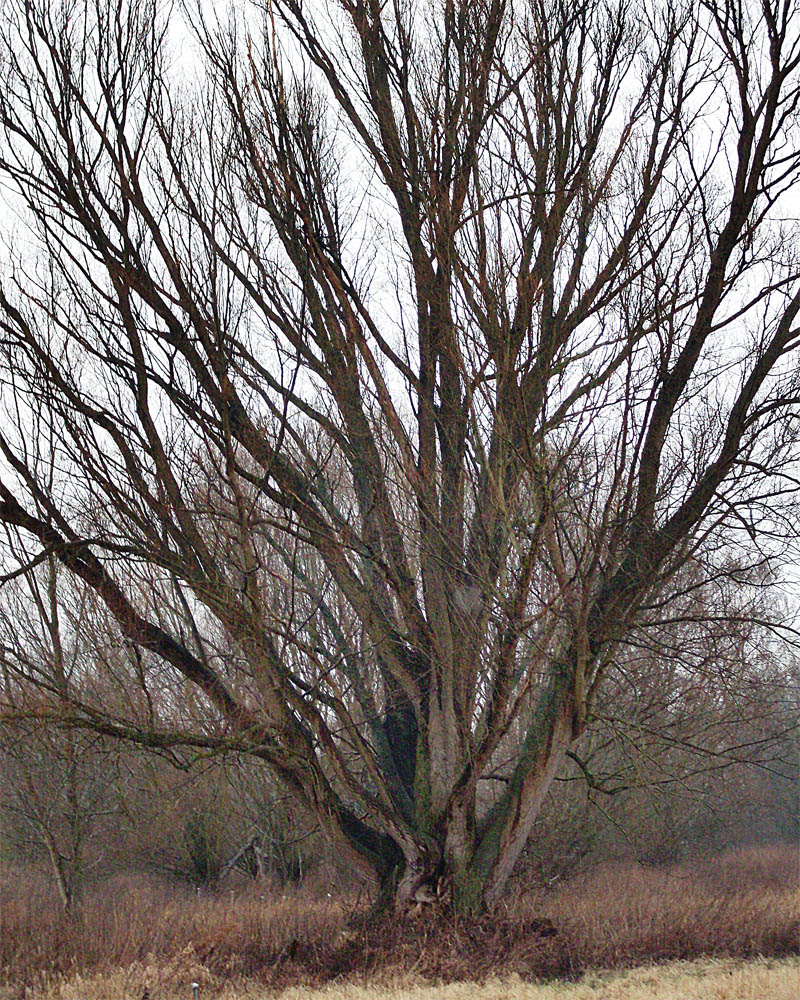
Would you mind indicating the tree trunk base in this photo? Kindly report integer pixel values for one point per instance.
(439, 943)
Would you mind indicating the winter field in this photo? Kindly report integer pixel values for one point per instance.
(725, 928)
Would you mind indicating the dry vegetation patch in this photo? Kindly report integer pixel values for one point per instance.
(136, 935)
(743, 903)
(705, 979)
(137, 920)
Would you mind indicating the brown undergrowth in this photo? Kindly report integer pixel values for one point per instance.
(743, 903)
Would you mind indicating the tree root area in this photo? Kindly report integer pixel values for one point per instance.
(432, 945)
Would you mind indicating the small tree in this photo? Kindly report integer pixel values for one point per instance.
(382, 382)
(56, 787)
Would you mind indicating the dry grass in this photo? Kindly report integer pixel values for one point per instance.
(136, 934)
(705, 979)
(132, 920)
(742, 903)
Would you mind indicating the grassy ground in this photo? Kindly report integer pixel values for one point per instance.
(133, 935)
(704, 979)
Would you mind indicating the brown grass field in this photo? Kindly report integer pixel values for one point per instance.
(134, 935)
(703, 979)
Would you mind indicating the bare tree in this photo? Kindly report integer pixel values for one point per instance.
(381, 369)
(56, 787)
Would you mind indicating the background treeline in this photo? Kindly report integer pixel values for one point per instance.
(694, 748)
(100, 809)
(685, 771)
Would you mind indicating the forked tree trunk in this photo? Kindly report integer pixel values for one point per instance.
(511, 837)
(60, 874)
(468, 860)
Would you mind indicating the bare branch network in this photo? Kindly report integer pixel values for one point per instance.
(392, 382)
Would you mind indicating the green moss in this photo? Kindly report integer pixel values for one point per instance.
(468, 892)
(422, 788)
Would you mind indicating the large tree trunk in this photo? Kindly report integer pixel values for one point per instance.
(466, 860)
(506, 836)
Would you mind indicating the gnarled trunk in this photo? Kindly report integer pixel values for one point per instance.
(466, 860)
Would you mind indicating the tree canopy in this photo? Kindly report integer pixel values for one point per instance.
(387, 371)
